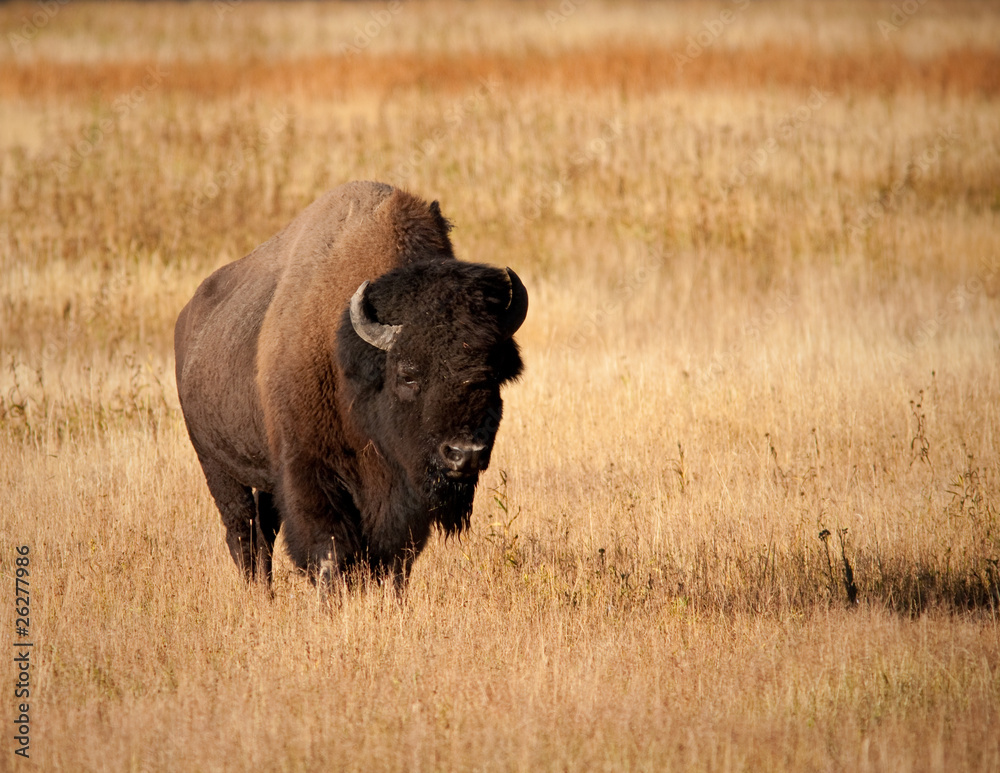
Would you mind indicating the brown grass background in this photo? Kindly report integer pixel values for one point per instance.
(634, 70)
(763, 368)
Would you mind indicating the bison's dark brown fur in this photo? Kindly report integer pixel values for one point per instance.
(353, 446)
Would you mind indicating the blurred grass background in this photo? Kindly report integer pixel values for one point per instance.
(763, 361)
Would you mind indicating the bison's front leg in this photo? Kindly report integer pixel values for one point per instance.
(320, 524)
(399, 570)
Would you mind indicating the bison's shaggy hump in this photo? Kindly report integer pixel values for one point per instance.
(342, 382)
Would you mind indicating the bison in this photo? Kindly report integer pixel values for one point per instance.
(341, 383)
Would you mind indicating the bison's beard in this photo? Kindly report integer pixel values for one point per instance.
(450, 502)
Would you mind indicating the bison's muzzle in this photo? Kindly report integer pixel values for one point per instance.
(462, 460)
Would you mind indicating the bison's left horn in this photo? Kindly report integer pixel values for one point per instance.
(517, 306)
(370, 330)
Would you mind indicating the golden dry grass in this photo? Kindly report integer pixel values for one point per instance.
(627, 68)
(763, 346)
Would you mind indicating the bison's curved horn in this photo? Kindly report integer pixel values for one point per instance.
(517, 306)
(370, 330)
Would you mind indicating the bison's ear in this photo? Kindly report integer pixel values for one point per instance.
(440, 219)
(513, 316)
(506, 362)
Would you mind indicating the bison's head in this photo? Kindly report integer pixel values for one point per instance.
(425, 349)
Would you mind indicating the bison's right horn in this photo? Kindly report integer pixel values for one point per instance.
(370, 330)
(517, 306)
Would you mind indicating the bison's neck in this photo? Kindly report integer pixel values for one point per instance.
(397, 515)
(396, 511)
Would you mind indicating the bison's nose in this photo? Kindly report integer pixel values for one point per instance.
(460, 457)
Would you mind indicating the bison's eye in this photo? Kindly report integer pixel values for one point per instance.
(479, 380)
(407, 381)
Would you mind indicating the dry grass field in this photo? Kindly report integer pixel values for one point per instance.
(744, 512)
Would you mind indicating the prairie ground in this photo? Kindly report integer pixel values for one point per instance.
(744, 511)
